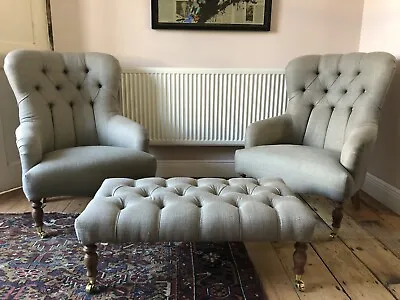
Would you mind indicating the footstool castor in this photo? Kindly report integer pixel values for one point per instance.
(194, 210)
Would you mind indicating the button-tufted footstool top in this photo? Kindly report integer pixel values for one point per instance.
(186, 209)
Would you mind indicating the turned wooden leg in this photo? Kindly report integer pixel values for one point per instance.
(91, 260)
(299, 260)
(337, 216)
(356, 200)
(37, 215)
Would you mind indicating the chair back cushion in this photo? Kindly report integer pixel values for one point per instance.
(65, 94)
(329, 95)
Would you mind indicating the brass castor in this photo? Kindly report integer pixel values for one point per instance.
(299, 259)
(334, 233)
(300, 284)
(90, 287)
(91, 260)
(41, 233)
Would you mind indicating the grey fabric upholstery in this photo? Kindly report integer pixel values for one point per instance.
(91, 163)
(71, 135)
(322, 144)
(186, 209)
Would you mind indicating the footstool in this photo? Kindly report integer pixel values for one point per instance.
(186, 209)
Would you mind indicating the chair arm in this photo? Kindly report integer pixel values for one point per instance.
(29, 145)
(123, 132)
(269, 131)
(357, 147)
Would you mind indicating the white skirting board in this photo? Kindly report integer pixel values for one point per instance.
(377, 188)
(383, 192)
(196, 168)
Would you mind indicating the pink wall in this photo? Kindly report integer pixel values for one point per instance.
(381, 26)
(381, 32)
(122, 28)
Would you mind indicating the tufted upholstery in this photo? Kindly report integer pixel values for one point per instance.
(334, 105)
(70, 101)
(186, 209)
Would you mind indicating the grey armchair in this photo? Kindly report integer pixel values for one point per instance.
(71, 136)
(323, 142)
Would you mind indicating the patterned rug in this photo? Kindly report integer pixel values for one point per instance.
(52, 268)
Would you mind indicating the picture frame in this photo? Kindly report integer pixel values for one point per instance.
(243, 15)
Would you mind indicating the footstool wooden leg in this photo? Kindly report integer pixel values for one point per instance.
(337, 216)
(37, 215)
(91, 260)
(299, 260)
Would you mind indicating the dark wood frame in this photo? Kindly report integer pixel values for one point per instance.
(235, 27)
(49, 24)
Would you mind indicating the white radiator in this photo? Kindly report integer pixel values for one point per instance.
(201, 106)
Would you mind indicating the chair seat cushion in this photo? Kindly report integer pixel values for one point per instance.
(304, 169)
(81, 170)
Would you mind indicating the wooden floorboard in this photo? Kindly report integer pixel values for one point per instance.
(77, 205)
(57, 204)
(384, 226)
(362, 263)
(370, 252)
(353, 275)
(271, 272)
(11, 199)
(320, 283)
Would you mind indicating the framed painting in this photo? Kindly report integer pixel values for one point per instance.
(252, 15)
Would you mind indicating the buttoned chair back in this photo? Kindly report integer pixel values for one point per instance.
(71, 135)
(323, 142)
(332, 95)
(68, 96)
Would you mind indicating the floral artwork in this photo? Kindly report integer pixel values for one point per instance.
(212, 14)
